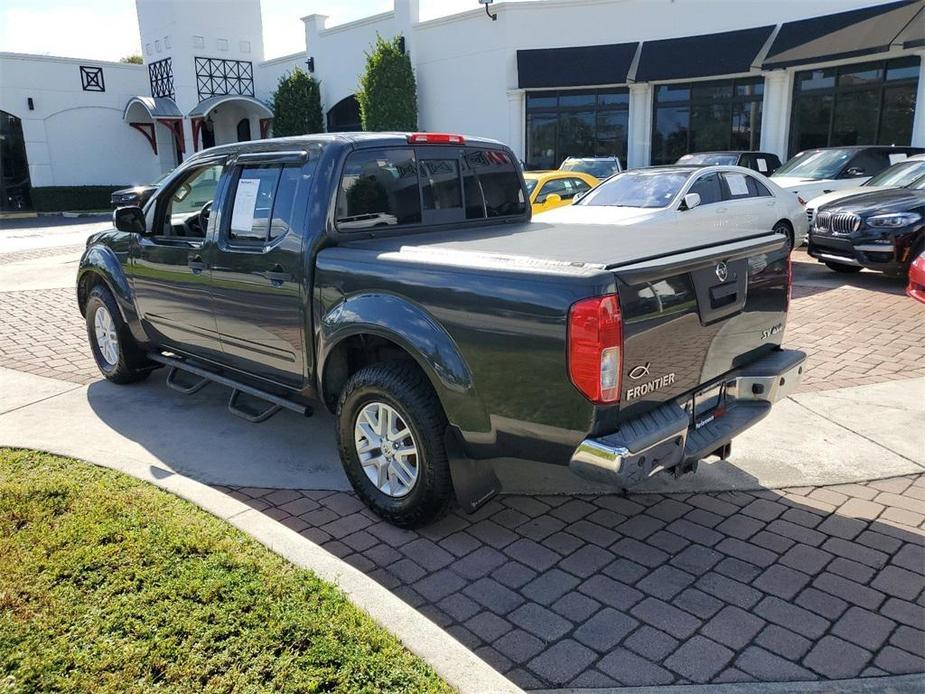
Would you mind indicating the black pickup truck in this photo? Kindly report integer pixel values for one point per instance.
(398, 280)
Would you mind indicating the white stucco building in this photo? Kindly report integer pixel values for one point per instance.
(646, 80)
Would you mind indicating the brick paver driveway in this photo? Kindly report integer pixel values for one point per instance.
(773, 585)
(596, 591)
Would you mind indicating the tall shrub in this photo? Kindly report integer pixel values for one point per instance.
(387, 92)
(296, 105)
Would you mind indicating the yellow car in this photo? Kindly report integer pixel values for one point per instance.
(551, 189)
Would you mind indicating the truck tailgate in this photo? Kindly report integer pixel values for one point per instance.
(692, 316)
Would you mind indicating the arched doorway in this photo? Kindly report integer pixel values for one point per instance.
(14, 166)
(344, 116)
(244, 130)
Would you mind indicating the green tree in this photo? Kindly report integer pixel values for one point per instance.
(134, 59)
(387, 92)
(296, 105)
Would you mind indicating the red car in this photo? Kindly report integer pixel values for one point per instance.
(916, 288)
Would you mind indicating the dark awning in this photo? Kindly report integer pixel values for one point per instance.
(844, 35)
(913, 36)
(574, 67)
(725, 53)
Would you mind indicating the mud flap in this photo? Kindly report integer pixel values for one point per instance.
(474, 481)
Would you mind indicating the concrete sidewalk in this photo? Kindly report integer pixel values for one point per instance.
(833, 437)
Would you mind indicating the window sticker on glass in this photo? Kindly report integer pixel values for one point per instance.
(898, 157)
(245, 202)
(762, 165)
(737, 184)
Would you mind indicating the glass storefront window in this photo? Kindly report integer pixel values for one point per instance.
(858, 104)
(706, 116)
(576, 123)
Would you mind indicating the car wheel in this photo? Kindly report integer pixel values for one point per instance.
(390, 429)
(840, 267)
(111, 343)
(784, 229)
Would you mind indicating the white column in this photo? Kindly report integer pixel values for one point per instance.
(639, 136)
(918, 122)
(516, 123)
(775, 116)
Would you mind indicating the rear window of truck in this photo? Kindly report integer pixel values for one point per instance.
(395, 187)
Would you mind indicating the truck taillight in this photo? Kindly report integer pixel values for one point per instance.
(435, 139)
(595, 348)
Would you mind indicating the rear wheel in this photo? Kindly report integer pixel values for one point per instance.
(117, 356)
(840, 267)
(784, 229)
(390, 428)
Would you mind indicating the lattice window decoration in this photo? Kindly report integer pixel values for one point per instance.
(91, 79)
(160, 75)
(217, 77)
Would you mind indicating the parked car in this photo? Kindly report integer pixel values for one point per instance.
(599, 167)
(462, 333)
(135, 195)
(817, 171)
(916, 287)
(883, 230)
(899, 175)
(548, 190)
(762, 162)
(690, 197)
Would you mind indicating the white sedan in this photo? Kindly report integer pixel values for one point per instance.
(710, 197)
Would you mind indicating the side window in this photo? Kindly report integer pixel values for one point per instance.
(264, 196)
(868, 162)
(499, 180)
(378, 188)
(708, 187)
(737, 187)
(757, 188)
(580, 186)
(557, 186)
(185, 201)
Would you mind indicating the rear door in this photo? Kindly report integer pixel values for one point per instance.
(257, 269)
(750, 204)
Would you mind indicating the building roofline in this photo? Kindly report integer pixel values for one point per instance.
(68, 59)
(283, 58)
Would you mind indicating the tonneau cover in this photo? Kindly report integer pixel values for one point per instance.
(593, 245)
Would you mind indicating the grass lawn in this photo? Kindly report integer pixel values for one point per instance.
(108, 584)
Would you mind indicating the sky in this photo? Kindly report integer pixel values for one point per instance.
(108, 29)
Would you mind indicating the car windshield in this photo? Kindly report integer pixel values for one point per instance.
(816, 164)
(531, 184)
(899, 175)
(637, 189)
(710, 159)
(596, 168)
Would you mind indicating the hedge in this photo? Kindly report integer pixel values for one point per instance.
(66, 198)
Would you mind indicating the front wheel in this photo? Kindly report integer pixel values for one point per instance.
(111, 343)
(840, 267)
(390, 429)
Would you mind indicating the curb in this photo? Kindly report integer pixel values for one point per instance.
(460, 667)
(896, 684)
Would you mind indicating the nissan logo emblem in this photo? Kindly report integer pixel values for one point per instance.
(722, 272)
(640, 371)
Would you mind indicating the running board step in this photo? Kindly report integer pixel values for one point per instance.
(235, 405)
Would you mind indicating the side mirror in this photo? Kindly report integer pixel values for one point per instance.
(691, 200)
(130, 219)
(552, 199)
(854, 172)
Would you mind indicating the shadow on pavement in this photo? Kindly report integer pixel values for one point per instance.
(49, 221)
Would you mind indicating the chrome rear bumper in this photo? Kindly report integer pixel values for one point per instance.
(667, 436)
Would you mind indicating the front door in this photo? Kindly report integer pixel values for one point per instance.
(257, 270)
(169, 272)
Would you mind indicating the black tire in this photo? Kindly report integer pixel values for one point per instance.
(784, 229)
(839, 267)
(129, 365)
(404, 388)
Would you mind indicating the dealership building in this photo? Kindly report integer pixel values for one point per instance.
(645, 80)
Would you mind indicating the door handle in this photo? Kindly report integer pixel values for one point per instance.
(277, 276)
(196, 265)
